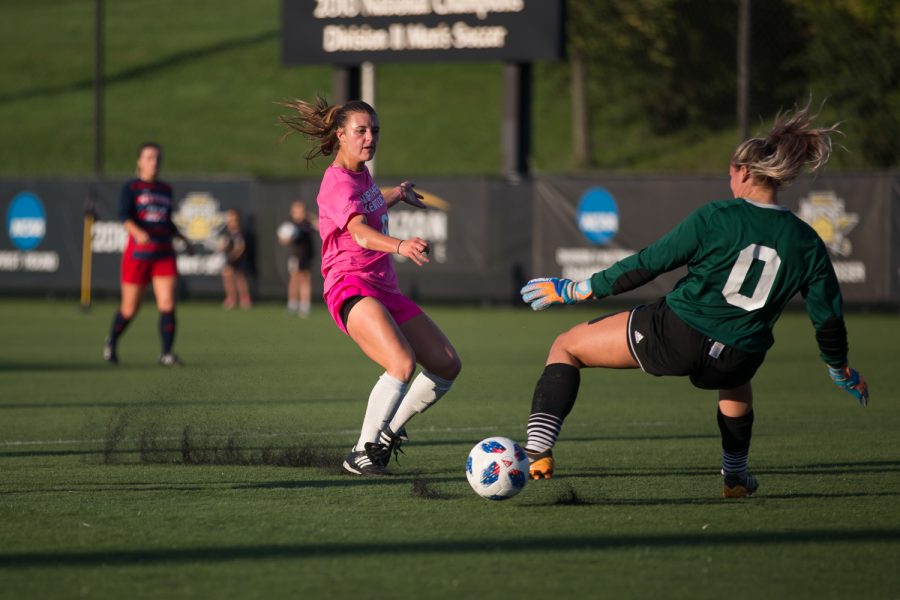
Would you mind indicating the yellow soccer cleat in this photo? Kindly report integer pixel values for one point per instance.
(540, 464)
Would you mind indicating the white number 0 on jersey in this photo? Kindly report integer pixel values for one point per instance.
(732, 289)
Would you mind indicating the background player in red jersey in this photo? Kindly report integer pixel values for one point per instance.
(746, 258)
(145, 209)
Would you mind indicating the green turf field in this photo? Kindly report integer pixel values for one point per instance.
(221, 479)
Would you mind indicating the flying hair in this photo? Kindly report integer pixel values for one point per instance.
(792, 147)
(319, 122)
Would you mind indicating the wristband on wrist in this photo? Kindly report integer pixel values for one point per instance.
(400, 243)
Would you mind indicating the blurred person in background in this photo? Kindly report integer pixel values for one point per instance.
(145, 209)
(234, 245)
(297, 235)
(361, 287)
(746, 258)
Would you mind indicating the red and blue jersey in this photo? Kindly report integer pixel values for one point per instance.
(148, 204)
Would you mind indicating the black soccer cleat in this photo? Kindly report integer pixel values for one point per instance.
(360, 462)
(391, 442)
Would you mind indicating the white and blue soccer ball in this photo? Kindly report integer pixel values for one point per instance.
(497, 468)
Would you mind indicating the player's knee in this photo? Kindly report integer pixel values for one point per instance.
(403, 367)
(449, 369)
(128, 312)
(562, 343)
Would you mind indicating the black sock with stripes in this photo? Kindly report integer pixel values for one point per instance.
(119, 324)
(167, 330)
(554, 396)
(736, 434)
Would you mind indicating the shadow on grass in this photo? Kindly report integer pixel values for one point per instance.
(173, 60)
(572, 498)
(799, 470)
(45, 367)
(127, 404)
(468, 442)
(591, 543)
(420, 485)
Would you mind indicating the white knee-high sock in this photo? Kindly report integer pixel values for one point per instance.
(426, 389)
(383, 400)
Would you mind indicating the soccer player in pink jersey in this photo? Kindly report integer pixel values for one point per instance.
(361, 289)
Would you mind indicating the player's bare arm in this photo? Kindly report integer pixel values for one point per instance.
(405, 192)
(367, 237)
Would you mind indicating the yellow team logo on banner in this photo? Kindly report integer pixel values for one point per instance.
(826, 213)
(199, 218)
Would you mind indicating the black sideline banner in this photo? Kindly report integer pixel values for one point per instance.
(488, 236)
(582, 226)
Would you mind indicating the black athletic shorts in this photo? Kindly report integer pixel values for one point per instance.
(348, 304)
(300, 261)
(663, 344)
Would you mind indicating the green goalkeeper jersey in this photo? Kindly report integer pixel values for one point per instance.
(745, 262)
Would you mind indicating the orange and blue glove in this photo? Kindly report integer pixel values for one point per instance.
(543, 292)
(851, 382)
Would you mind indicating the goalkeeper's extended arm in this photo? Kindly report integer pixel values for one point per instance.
(541, 293)
(851, 382)
(831, 336)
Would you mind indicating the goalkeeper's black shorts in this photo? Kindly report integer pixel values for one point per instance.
(663, 344)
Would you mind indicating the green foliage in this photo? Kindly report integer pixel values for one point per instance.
(854, 61)
(670, 66)
(675, 60)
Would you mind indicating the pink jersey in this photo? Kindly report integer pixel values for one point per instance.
(343, 194)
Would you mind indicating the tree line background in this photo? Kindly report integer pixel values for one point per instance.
(672, 65)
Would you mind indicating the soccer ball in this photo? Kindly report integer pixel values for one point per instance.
(497, 468)
(286, 232)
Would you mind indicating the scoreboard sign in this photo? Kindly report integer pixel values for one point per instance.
(354, 31)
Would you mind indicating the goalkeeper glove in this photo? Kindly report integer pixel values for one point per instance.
(851, 382)
(541, 293)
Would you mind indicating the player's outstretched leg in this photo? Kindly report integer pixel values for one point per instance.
(554, 396)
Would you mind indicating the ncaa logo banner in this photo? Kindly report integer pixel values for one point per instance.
(598, 216)
(26, 226)
(26, 221)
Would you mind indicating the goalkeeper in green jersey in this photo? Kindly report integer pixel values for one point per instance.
(746, 258)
